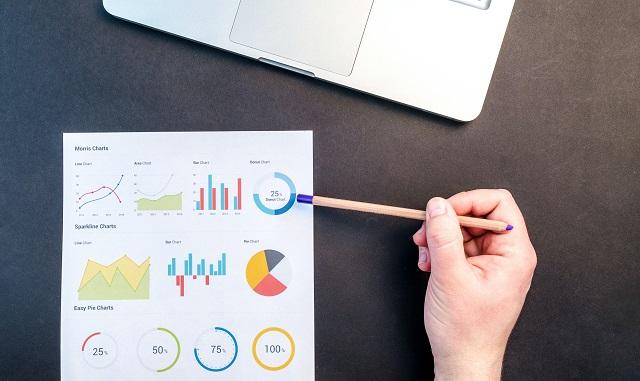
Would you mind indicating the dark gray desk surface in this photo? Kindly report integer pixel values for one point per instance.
(560, 128)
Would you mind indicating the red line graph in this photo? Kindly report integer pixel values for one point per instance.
(99, 189)
(111, 191)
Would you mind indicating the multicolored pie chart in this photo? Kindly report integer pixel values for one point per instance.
(268, 273)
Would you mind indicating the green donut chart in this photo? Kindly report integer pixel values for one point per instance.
(275, 194)
(159, 350)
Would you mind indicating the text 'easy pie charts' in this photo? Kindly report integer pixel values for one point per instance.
(268, 273)
(275, 194)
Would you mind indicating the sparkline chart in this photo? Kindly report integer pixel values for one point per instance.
(205, 271)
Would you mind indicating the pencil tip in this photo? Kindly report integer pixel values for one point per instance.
(509, 227)
(305, 199)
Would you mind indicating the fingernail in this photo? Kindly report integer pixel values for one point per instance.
(436, 207)
(422, 255)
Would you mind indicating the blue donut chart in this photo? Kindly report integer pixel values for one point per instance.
(235, 353)
(287, 206)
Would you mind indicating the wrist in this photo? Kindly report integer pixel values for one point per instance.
(479, 366)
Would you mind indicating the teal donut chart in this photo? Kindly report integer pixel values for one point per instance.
(287, 206)
(235, 353)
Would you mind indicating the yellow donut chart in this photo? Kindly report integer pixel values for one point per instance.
(254, 350)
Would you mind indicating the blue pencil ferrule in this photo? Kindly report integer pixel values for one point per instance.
(305, 199)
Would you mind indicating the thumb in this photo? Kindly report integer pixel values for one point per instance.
(444, 237)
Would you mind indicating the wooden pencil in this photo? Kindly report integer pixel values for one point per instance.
(415, 214)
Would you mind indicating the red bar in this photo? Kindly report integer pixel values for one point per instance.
(177, 280)
(201, 198)
(181, 285)
(195, 277)
(239, 194)
(213, 198)
(226, 198)
(206, 280)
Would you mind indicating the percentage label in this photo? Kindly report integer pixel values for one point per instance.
(99, 351)
(274, 348)
(217, 349)
(159, 350)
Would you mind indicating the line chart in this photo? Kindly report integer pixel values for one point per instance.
(111, 191)
(158, 192)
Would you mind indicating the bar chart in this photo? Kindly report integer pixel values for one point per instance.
(218, 197)
(204, 270)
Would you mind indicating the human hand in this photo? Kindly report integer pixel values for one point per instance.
(478, 283)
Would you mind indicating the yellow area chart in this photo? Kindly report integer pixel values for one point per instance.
(123, 279)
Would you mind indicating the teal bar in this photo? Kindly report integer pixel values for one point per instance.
(221, 196)
(224, 264)
(209, 200)
(211, 269)
(235, 202)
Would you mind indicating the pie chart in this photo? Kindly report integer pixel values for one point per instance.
(268, 273)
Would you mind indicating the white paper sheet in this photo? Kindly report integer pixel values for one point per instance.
(186, 257)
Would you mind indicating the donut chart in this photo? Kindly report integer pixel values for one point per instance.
(275, 194)
(159, 350)
(99, 350)
(273, 349)
(268, 273)
(216, 349)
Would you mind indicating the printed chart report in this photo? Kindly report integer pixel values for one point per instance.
(186, 257)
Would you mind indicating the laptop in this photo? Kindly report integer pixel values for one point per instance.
(434, 55)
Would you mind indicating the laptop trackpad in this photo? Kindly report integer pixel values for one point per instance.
(322, 33)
